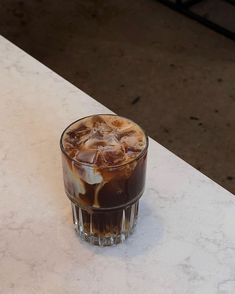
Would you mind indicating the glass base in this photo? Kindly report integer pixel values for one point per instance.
(106, 227)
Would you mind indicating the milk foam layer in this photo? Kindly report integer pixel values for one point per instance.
(104, 141)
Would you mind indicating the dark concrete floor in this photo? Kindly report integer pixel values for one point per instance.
(170, 74)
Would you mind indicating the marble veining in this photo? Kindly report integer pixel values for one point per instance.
(185, 238)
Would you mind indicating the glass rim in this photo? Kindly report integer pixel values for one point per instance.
(141, 154)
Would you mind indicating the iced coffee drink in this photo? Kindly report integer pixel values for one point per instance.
(104, 164)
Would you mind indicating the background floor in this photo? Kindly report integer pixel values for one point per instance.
(170, 74)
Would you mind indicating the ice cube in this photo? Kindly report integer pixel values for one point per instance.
(118, 123)
(78, 135)
(125, 133)
(79, 131)
(93, 143)
(130, 141)
(87, 156)
(103, 129)
(112, 154)
(97, 119)
(111, 139)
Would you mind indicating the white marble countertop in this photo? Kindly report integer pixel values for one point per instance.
(185, 238)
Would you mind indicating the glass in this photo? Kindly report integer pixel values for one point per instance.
(104, 212)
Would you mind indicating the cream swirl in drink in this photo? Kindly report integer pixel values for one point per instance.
(104, 160)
